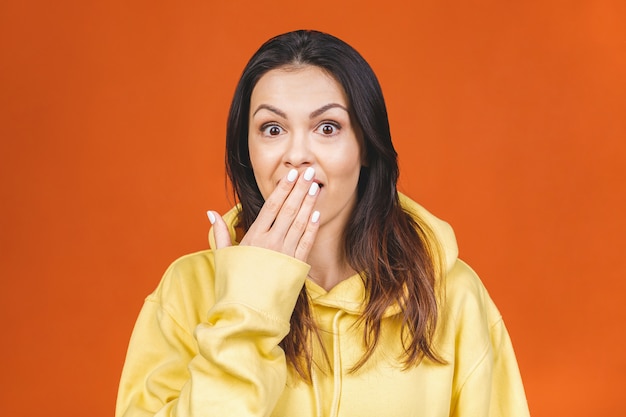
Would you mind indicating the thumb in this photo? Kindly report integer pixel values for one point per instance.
(220, 230)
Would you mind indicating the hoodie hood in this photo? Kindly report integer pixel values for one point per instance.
(442, 232)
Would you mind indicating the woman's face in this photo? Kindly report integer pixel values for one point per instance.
(299, 118)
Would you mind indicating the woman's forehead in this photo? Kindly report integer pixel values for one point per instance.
(301, 84)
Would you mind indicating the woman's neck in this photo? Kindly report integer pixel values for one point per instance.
(329, 265)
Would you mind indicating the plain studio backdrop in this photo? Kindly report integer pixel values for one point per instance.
(509, 118)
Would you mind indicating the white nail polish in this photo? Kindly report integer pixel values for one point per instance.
(293, 174)
(211, 216)
(313, 188)
(308, 174)
(315, 217)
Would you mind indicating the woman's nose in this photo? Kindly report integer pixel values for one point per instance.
(298, 151)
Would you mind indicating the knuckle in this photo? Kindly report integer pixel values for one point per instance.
(284, 185)
(299, 225)
(289, 210)
(272, 205)
(305, 244)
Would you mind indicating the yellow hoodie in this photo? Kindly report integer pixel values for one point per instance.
(206, 344)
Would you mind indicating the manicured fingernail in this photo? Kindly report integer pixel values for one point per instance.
(211, 216)
(308, 174)
(313, 188)
(293, 174)
(315, 217)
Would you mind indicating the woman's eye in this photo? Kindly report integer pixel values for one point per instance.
(272, 130)
(328, 129)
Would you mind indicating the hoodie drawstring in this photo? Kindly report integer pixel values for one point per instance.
(337, 367)
(316, 393)
(337, 374)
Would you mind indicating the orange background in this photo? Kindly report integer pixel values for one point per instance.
(509, 121)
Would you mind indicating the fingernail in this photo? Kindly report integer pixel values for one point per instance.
(211, 216)
(293, 174)
(313, 188)
(308, 174)
(315, 217)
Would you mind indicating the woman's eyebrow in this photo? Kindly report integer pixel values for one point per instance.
(322, 109)
(313, 114)
(270, 108)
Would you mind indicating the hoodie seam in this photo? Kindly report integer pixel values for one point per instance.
(476, 366)
(169, 313)
(263, 313)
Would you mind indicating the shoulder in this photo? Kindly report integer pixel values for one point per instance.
(462, 281)
(474, 338)
(186, 271)
(467, 318)
(466, 301)
(186, 289)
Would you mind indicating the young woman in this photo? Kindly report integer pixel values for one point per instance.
(325, 292)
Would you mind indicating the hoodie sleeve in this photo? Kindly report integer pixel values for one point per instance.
(227, 363)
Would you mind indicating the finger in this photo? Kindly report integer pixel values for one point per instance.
(273, 204)
(220, 230)
(300, 223)
(293, 205)
(308, 238)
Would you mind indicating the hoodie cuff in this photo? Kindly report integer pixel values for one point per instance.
(263, 279)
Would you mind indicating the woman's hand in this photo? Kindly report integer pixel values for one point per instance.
(286, 222)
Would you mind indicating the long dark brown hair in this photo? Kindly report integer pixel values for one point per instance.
(393, 250)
